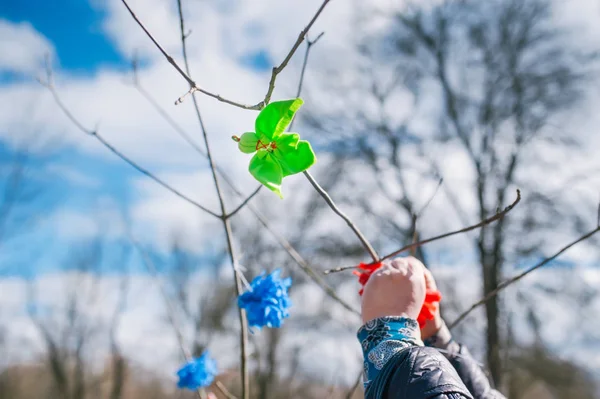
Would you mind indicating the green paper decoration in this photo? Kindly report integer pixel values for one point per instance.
(278, 154)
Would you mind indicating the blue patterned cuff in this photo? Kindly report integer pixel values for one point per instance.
(382, 338)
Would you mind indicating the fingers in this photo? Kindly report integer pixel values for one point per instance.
(429, 280)
(397, 288)
(408, 266)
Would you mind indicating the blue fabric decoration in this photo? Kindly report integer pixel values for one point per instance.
(267, 301)
(384, 337)
(198, 373)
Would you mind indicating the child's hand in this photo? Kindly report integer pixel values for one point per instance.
(395, 289)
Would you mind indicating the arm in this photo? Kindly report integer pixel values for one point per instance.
(469, 370)
(435, 334)
(396, 364)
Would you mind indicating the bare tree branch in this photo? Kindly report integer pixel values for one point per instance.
(341, 214)
(598, 220)
(309, 44)
(194, 87)
(304, 265)
(163, 113)
(497, 216)
(430, 200)
(283, 242)
(223, 389)
(111, 148)
(350, 393)
(226, 223)
(274, 74)
(310, 178)
(118, 361)
(277, 70)
(171, 312)
(244, 202)
(415, 217)
(145, 172)
(519, 276)
(415, 234)
(181, 132)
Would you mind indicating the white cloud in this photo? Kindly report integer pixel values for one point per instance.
(102, 220)
(160, 214)
(22, 48)
(105, 98)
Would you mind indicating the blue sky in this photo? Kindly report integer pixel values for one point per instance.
(92, 68)
(233, 45)
(82, 49)
(75, 29)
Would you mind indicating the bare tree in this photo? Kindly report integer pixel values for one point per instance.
(68, 329)
(503, 77)
(203, 310)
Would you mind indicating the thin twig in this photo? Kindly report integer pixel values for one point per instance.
(430, 200)
(492, 219)
(598, 221)
(284, 243)
(183, 134)
(310, 178)
(244, 202)
(147, 261)
(111, 148)
(415, 216)
(149, 264)
(415, 235)
(519, 276)
(153, 177)
(223, 389)
(309, 44)
(350, 393)
(164, 114)
(304, 265)
(497, 216)
(226, 225)
(193, 85)
(277, 70)
(341, 214)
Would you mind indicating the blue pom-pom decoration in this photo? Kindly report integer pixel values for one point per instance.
(197, 373)
(267, 301)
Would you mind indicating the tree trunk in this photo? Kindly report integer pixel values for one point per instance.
(490, 266)
(269, 376)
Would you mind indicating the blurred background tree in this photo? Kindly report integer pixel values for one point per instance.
(443, 110)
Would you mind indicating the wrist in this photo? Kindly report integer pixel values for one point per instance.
(431, 327)
(441, 339)
(384, 337)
